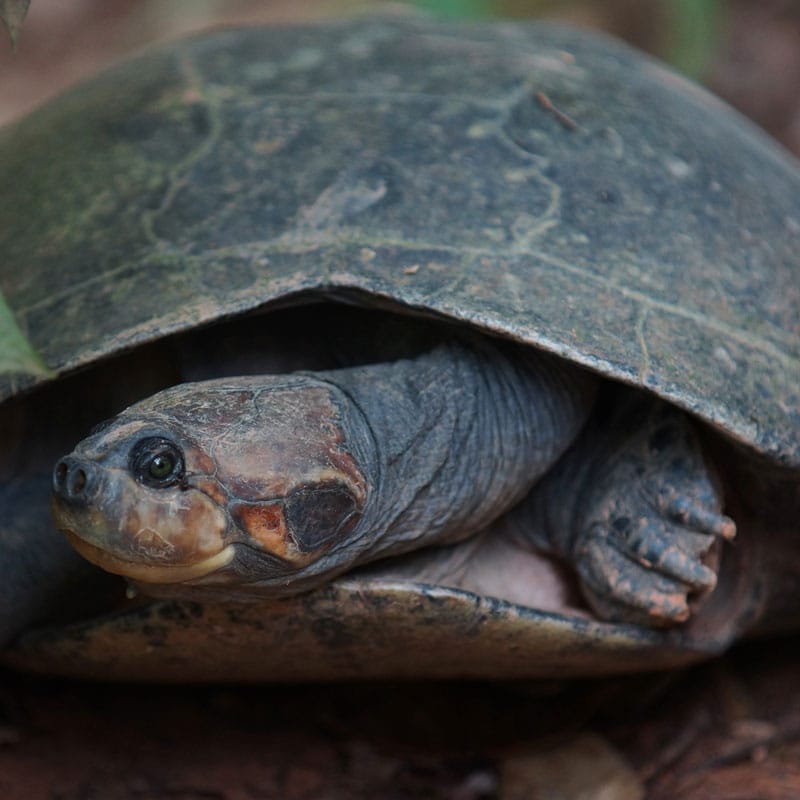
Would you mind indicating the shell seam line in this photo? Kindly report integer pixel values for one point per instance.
(178, 174)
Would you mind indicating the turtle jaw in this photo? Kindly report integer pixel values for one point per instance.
(150, 573)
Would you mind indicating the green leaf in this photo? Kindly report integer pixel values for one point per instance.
(16, 352)
(696, 27)
(457, 8)
(13, 12)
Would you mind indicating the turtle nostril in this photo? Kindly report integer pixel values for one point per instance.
(78, 482)
(71, 480)
(60, 474)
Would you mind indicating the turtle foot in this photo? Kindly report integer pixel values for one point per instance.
(648, 547)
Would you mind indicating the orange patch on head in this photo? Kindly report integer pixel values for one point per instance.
(200, 460)
(265, 523)
(292, 436)
(211, 488)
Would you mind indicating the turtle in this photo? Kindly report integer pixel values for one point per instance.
(396, 347)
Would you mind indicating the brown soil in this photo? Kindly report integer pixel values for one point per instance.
(730, 729)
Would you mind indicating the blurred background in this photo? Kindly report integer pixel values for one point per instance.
(748, 51)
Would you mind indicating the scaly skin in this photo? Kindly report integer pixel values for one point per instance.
(288, 481)
(634, 506)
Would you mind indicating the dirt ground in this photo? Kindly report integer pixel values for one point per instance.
(729, 729)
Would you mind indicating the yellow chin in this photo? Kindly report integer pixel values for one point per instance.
(148, 573)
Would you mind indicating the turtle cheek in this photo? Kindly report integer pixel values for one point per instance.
(172, 527)
(304, 525)
(147, 534)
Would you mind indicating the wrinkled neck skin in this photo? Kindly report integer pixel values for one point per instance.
(462, 434)
(446, 442)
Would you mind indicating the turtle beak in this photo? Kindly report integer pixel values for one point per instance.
(74, 481)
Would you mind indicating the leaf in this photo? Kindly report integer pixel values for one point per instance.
(16, 352)
(457, 8)
(13, 12)
(696, 27)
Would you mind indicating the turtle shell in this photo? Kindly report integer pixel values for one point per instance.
(542, 184)
(549, 185)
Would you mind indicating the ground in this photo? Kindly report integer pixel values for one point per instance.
(728, 729)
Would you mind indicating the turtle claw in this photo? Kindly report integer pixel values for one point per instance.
(648, 544)
(674, 553)
(620, 588)
(697, 517)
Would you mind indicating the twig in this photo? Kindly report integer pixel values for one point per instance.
(564, 119)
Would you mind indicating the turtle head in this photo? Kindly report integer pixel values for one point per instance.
(246, 480)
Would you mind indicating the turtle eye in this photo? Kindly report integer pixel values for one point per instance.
(156, 462)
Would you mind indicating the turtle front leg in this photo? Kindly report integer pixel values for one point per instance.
(636, 509)
(41, 577)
